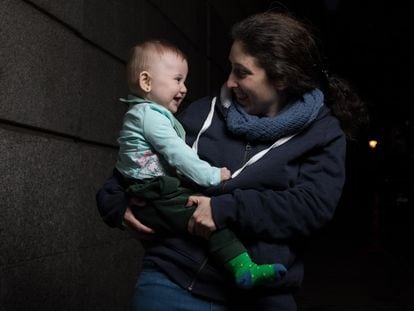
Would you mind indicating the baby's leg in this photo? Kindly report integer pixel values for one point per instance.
(226, 249)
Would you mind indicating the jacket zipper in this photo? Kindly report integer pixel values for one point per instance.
(203, 264)
(246, 151)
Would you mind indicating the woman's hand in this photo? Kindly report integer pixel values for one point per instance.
(201, 223)
(132, 224)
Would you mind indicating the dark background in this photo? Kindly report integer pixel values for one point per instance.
(371, 44)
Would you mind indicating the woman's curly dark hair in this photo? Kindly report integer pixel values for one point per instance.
(289, 53)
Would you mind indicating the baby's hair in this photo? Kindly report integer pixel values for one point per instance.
(139, 59)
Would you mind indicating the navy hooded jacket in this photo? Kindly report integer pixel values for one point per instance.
(273, 205)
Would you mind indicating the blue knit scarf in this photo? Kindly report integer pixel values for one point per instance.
(290, 120)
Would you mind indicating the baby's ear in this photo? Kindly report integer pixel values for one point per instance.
(145, 81)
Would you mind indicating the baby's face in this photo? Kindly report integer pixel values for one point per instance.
(168, 74)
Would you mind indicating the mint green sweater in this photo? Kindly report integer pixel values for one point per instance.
(151, 138)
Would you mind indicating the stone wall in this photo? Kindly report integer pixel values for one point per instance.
(61, 71)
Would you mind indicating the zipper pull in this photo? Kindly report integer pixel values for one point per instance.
(246, 151)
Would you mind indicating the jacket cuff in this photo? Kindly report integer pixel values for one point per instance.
(224, 210)
(112, 201)
(118, 214)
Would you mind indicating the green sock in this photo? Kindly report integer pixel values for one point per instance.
(249, 274)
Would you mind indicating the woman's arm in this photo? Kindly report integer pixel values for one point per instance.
(112, 201)
(114, 208)
(297, 211)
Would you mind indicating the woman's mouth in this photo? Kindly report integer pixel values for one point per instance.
(240, 96)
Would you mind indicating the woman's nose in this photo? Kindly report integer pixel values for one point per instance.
(231, 82)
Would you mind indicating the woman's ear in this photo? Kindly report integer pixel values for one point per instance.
(145, 81)
(280, 86)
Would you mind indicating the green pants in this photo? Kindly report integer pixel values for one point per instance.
(168, 215)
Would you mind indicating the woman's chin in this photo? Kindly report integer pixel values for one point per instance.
(242, 101)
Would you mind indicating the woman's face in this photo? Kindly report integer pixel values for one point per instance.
(250, 84)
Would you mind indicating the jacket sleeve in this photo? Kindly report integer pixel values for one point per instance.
(297, 211)
(159, 132)
(111, 201)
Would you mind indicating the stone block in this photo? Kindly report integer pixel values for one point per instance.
(220, 44)
(100, 278)
(69, 12)
(40, 71)
(190, 18)
(197, 79)
(48, 196)
(103, 83)
(53, 80)
(231, 11)
(115, 25)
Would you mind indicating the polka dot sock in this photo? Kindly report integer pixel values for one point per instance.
(249, 274)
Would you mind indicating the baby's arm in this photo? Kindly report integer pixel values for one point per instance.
(158, 132)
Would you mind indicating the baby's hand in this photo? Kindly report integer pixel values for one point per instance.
(225, 174)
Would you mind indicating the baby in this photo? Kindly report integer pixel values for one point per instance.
(153, 155)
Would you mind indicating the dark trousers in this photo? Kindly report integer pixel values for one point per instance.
(168, 215)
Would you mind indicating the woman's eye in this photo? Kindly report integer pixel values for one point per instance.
(240, 73)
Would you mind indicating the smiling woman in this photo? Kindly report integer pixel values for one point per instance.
(279, 119)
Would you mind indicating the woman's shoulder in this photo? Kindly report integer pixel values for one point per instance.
(326, 126)
(201, 103)
(326, 118)
(196, 108)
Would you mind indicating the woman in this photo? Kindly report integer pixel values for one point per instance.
(278, 124)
